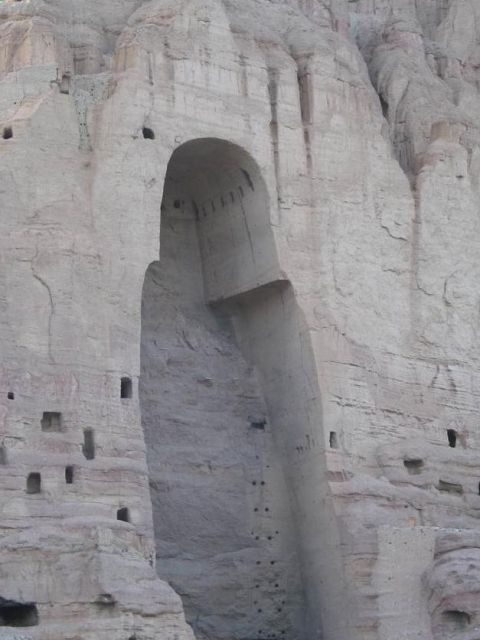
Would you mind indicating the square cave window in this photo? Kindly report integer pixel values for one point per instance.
(333, 440)
(52, 421)
(123, 514)
(69, 475)
(11, 395)
(88, 447)
(126, 388)
(34, 483)
(7, 133)
(65, 84)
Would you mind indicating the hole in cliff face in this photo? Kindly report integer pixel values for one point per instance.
(414, 466)
(51, 421)
(88, 448)
(105, 600)
(65, 84)
(452, 438)
(17, 614)
(69, 475)
(123, 514)
(205, 442)
(126, 388)
(450, 487)
(34, 483)
(7, 133)
(3, 455)
(333, 440)
(148, 133)
(455, 620)
(11, 395)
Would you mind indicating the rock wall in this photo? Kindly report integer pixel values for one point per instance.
(239, 245)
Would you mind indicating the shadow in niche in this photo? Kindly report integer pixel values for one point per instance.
(227, 391)
(275, 339)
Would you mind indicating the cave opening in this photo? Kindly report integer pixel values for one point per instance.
(88, 447)
(333, 440)
(123, 514)
(69, 472)
(452, 438)
(148, 133)
(52, 421)
(414, 466)
(204, 408)
(34, 483)
(17, 614)
(126, 388)
(455, 620)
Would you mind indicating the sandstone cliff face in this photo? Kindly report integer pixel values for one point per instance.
(239, 282)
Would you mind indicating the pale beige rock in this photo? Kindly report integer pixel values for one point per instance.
(263, 216)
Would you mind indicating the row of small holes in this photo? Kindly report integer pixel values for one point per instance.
(415, 465)
(34, 486)
(147, 133)
(126, 392)
(262, 483)
(52, 422)
(34, 480)
(451, 435)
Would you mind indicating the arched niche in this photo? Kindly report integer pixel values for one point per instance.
(230, 411)
(223, 186)
(225, 535)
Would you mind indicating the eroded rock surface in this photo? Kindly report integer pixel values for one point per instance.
(239, 282)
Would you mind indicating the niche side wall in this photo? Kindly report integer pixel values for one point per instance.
(276, 340)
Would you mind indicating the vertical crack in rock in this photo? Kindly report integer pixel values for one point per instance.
(51, 312)
(273, 78)
(306, 106)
